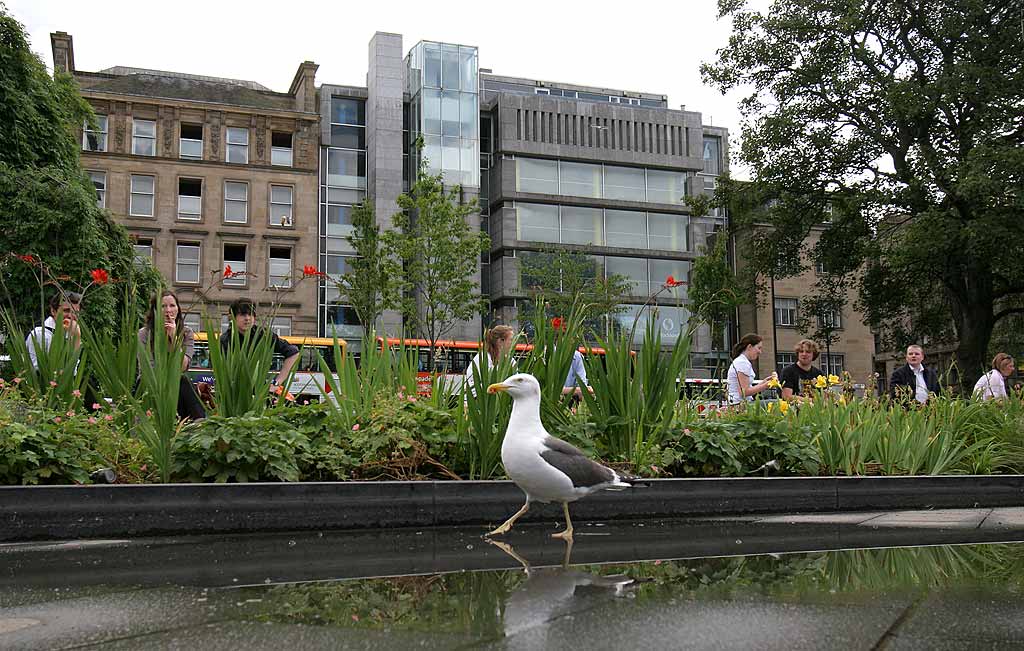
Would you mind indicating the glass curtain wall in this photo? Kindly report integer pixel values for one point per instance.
(445, 110)
(342, 186)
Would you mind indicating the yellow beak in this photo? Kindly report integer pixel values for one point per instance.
(495, 388)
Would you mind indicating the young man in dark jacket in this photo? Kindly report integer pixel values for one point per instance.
(914, 380)
(243, 323)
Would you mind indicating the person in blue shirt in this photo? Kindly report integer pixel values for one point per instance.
(576, 370)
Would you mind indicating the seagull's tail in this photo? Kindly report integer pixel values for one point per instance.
(625, 480)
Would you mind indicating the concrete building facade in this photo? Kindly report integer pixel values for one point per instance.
(188, 164)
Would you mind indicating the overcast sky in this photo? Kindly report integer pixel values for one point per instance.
(654, 47)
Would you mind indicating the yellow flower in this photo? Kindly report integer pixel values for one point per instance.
(770, 407)
(820, 382)
(773, 383)
(783, 407)
(842, 400)
(833, 380)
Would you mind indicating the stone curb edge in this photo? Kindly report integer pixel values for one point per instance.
(68, 512)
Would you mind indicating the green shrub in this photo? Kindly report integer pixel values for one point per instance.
(43, 446)
(239, 448)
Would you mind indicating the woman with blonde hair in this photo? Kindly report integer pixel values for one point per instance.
(992, 385)
(497, 342)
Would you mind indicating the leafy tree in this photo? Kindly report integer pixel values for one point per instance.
(439, 253)
(906, 118)
(47, 204)
(715, 289)
(818, 313)
(565, 281)
(369, 284)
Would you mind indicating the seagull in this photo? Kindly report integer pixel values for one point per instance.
(546, 468)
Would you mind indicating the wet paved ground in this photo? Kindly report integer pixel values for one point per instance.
(916, 579)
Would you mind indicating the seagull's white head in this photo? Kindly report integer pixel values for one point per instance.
(520, 385)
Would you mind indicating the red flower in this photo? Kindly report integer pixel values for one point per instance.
(100, 276)
(311, 270)
(672, 282)
(27, 258)
(557, 323)
(227, 272)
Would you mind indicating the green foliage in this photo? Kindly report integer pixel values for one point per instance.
(485, 418)
(369, 284)
(439, 254)
(157, 407)
(715, 291)
(904, 123)
(47, 203)
(239, 448)
(406, 438)
(42, 445)
(356, 388)
(242, 372)
(115, 358)
(61, 373)
(634, 397)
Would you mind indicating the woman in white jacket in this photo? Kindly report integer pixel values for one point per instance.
(992, 385)
(497, 342)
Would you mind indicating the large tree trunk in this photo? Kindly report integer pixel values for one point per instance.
(974, 321)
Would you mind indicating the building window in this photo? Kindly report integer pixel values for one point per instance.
(582, 225)
(281, 149)
(281, 326)
(712, 155)
(627, 183)
(533, 175)
(95, 139)
(626, 228)
(667, 232)
(234, 257)
(186, 262)
(238, 145)
(144, 137)
(537, 222)
(236, 202)
(666, 187)
(580, 179)
(190, 199)
(280, 271)
(143, 189)
(193, 321)
(346, 169)
(143, 247)
(785, 311)
(280, 205)
(99, 181)
(662, 269)
(191, 142)
(782, 360)
(831, 320)
(833, 364)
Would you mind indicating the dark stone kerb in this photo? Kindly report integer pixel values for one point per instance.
(63, 512)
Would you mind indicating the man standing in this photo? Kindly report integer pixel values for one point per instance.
(64, 306)
(243, 316)
(914, 379)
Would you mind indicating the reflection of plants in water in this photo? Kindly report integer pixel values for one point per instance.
(468, 602)
(803, 576)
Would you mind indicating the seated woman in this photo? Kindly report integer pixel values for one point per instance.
(992, 385)
(740, 379)
(796, 375)
(175, 330)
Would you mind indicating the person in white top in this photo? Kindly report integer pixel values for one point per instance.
(497, 342)
(992, 385)
(741, 371)
(64, 306)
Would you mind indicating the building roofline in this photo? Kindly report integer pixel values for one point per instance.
(577, 87)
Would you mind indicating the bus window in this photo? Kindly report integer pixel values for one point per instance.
(201, 358)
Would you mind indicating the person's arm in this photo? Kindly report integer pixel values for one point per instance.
(30, 343)
(787, 394)
(746, 389)
(188, 345)
(290, 354)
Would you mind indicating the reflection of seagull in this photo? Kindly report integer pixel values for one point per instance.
(546, 468)
(553, 592)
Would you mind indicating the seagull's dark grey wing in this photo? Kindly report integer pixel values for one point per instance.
(570, 460)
